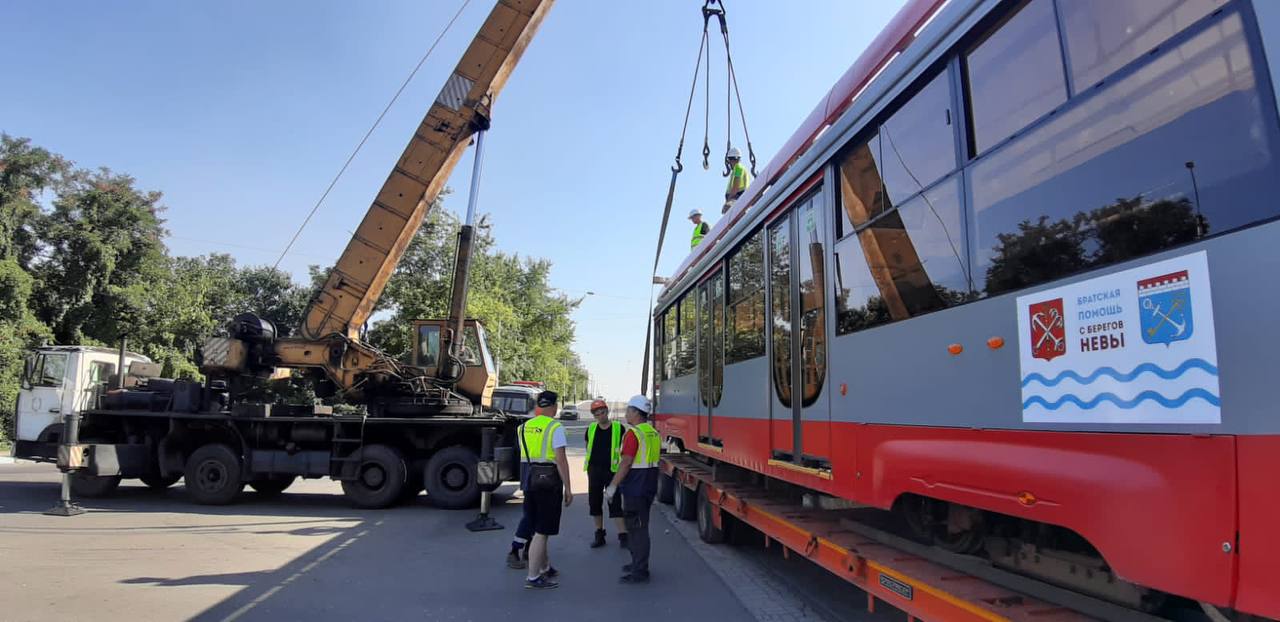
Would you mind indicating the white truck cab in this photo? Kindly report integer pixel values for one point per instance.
(58, 380)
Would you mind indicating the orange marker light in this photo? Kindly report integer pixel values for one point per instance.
(1027, 499)
(955, 349)
(844, 389)
(995, 343)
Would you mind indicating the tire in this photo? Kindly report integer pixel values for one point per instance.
(380, 478)
(160, 482)
(273, 485)
(666, 489)
(450, 478)
(214, 475)
(686, 502)
(93, 486)
(706, 528)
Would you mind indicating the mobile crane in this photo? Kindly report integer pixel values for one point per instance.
(428, 423)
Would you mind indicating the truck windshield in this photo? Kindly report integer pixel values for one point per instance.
(512, 403)
(48, 370)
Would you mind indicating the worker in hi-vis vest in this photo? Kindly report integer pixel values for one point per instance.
(604, 454)
(637, 478)
(544, 478)
(739, 179)
(700, 229)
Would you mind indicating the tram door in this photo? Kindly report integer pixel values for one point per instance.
(711, 327)
(799, 422)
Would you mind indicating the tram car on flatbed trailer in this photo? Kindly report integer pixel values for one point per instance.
(1011, 280)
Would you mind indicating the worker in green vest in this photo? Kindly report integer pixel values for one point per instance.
(700, 229)
(604, 454)
(739, 179)
(637, 477)
(544, 477)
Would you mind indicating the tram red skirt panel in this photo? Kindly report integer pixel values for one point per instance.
(1158, 506)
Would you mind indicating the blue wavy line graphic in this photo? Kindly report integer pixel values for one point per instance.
(1170, 374)
(1120, 403)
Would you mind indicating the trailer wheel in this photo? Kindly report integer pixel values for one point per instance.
(451, 478)
(707, 529)
(160, 482)
(93, 486)
(686, 502)
(273, 485)
(213, 475)
(380, 478)
(666, 489)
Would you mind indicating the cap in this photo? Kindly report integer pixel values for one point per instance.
(598, 404)
(547, 398)
(640, 403)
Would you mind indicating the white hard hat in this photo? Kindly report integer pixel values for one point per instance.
(734, 153)
(640, 403)
(695, 212)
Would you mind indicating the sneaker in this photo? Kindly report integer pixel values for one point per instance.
(540, 583)
(599, 539)
(516, 561)
(622, 540)
(632, 577)
(550, 572)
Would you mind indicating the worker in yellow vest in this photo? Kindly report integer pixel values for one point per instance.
(700, 229)
(604, 454)
(739, 179)
(544, 477)
(637, 477)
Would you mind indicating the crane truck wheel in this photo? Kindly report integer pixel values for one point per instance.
(380, 478)
(93, 486)
(213, 475)
(273, 485)
(666, 489)
(707, 529)
(686, 502)
(451, 479)
(160, 482)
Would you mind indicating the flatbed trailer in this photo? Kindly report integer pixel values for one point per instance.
(380, 460)
(924, 583)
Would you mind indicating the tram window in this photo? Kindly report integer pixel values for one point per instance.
(1179, 148)
(917, 142)
(745, 338)
(1105, 35)
(861, 186)
(859, 304)
(670, 341)
(687, 359)
(1015, 74)
(660, 346)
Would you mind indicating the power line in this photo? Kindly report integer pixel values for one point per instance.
(370, 132)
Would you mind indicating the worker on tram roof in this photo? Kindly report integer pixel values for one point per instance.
(739, 179)
(637, 478)
(604, 454)
(700, 228)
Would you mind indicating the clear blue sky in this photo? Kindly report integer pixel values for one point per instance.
(241, 112)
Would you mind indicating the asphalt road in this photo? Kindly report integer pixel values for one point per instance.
(144, 554)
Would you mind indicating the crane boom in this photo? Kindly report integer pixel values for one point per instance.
(356, 281)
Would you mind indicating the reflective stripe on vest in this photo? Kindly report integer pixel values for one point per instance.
(615, 445)
(699, 230)
(650, 446)
(536, 435)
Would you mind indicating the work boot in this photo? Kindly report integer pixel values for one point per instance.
(516, 561)
(626, 568)
(599, 541)
(632, 577)
(622, 539)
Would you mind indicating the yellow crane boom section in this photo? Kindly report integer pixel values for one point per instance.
(356, 281)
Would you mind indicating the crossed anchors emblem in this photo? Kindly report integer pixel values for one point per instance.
(1046, 321)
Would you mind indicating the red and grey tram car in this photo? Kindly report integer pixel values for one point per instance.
(1013, 279)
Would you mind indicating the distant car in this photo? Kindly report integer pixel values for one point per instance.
(569, 412)
(515, 400)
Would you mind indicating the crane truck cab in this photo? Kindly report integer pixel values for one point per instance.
(479, 376)
(57, 380)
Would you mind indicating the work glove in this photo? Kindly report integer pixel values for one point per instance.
(609, 491)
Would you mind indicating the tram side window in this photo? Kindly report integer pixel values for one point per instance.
(861, 186)
(1177, 149)
(687, 359)
(660, 346)
(1015, 74)
(745, 338)
(1105, 35)
(917, 142)
(670, 340)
